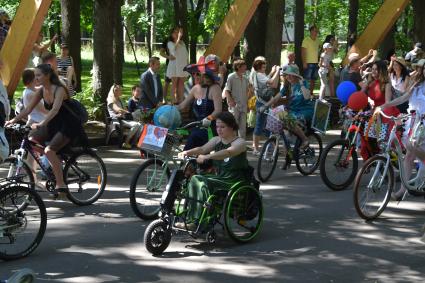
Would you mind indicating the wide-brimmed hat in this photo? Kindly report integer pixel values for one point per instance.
(292, 70)
(203, 67)
(401, 61)
(213, 61)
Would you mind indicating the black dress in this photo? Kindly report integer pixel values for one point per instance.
(65, 122)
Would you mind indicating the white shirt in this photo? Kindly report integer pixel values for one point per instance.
(35, 116)
(155, 82)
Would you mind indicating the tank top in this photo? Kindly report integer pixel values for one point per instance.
(203, 107)
(234, 166)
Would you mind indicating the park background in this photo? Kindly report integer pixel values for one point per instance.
(111, 40)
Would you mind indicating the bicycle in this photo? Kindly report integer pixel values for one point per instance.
(375, 181)
(241, 207)
(339, 162)
(23, 219)
(151, 177)
(83, 170)
(306, 159)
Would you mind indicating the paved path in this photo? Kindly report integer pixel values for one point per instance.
(310, 234)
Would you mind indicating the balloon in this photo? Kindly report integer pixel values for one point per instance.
(167, 116)
(357, 101)
(344, 90)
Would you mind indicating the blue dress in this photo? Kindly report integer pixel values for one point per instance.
(299, 107)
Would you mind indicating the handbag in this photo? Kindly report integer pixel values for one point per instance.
(374, 128)
(251, 119)
(263, 93)
(251, 102)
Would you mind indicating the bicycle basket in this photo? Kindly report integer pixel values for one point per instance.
(273, 123)
(157, 140)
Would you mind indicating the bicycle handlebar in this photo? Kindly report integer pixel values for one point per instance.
(191, 125)
(394, 118)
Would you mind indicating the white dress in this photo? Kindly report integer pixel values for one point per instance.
(417, 103)
(175, 67)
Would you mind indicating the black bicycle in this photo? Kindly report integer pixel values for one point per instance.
(83, 170)
(23, 219)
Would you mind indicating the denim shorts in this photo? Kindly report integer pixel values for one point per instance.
(311, 72)
(260, 122)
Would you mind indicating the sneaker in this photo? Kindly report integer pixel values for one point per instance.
(126, 145)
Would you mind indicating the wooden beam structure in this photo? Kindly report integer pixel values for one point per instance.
(17, 48)
(232, 28)
(378, 27)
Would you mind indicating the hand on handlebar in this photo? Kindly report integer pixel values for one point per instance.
(182, 154)
(206, 122)
(201, 158)
(262, 109)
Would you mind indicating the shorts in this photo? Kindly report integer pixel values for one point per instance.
(311, 72)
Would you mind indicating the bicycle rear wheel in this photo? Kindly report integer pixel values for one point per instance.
(85, 174)
(338, 165)
(268, 159)
(146, 188)
(307, 159)
(21, 227)
(373, 187)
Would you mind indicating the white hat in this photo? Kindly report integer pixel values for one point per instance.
(327, 45)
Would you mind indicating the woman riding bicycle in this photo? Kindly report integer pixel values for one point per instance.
(298, 102)
(206, 105)
(416, 97)
(60, 126)
(229, 161)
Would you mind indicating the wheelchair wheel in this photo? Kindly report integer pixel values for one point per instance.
(243, 214)
(157, 237)
(308, 159)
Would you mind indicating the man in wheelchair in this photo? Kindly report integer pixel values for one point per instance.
(229, 162)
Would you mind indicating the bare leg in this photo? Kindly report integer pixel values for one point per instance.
(166, 89)
(180, 89)
(174, 89)
(255, 142)
(332, 82)
(56, 164)
(311, 86)
(299, 132)
(407, 166)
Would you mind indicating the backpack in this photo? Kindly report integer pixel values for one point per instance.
(78, 110)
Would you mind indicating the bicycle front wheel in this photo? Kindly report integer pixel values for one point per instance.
(307, 159)
(146, 188)
(268, 159)
(372, 188)
(85, 174)
(22, 227)
(10, 169)
(338, 165)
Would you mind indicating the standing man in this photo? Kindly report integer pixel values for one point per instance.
(310, 56)
(236, 92)
(151, 86)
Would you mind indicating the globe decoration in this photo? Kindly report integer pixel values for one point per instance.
(344, 90)
(167, 116)
(357, 101)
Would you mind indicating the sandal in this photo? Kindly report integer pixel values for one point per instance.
(60, 193)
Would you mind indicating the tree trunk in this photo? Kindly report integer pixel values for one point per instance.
(299, 30)
(255, 34)
(118, 43)
(148, 7)
(273, 46)
(180, 18)
(152, 29)
(353, 13)
(388, 44)
(71, 34)
(194, 28)
(419, 20)
(103, 77)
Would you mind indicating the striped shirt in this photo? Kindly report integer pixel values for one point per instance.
(63, 64)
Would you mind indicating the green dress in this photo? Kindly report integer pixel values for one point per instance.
(229, 171)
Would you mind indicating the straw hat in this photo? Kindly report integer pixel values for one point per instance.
(401, 61)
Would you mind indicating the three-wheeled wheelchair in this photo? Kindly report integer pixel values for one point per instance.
(238, 210)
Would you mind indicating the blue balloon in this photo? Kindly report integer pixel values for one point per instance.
(344, 90)
(167, 116)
